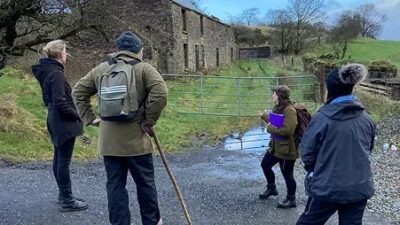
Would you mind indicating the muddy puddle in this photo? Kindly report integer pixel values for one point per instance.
(254, 141)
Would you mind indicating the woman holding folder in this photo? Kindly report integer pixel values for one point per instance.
(283, 149)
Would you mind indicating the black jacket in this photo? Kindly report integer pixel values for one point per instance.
(63, 122)
(336, 146)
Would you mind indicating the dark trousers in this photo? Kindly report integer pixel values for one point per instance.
(142, 171)
(61, 162)
(317, 212)
(287, 167)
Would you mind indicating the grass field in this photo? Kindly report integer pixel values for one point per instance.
(23, 134)
(366, 50)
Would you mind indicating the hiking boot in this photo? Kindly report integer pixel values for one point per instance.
(59, 201)
(74, 205)
(289, 202)
(271, 191)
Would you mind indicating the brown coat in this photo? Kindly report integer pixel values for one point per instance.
(125, 138)
(287, 149)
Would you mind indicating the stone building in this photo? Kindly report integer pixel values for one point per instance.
(178, 36)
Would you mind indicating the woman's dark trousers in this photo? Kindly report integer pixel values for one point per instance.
(287, 167)
(61, 163)
(317, 212)
(142, 172)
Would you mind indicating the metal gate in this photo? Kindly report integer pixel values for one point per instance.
(234, 96)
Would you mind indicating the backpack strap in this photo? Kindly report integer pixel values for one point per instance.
(132, 62)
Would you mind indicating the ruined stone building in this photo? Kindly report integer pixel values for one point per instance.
(178, 36)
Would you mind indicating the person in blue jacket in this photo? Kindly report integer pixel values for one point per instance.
(336, 149)
(63, 122)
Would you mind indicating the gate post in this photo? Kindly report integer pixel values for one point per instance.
(239, 82)
(202, 94)
(322, 87)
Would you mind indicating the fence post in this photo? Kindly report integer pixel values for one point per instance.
(322, 82)
(239, 82)
(202, 94)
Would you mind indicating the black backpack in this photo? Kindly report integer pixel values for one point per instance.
(303, 119)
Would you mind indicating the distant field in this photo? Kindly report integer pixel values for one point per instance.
(367, 50)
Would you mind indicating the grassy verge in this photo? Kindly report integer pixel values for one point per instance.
(379, 107)
(23, 134)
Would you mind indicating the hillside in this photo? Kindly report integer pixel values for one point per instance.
(23, 134)
(366, 50)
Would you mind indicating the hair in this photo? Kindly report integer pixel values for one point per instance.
(282, 103)
(53, 49)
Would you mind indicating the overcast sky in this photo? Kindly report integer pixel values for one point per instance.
(224, 8)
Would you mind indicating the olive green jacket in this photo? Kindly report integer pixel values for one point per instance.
(124, 138)
(287, 149)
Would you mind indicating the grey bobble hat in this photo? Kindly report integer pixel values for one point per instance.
(129, 41)
(340, 82)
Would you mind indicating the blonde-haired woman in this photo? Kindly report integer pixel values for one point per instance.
(63, 122)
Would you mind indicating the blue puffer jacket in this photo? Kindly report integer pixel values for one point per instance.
(336, 147)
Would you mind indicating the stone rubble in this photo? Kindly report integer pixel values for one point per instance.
(386, 167)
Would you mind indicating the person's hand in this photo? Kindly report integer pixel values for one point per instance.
(95, 122)
(149, 129)
(265, 116)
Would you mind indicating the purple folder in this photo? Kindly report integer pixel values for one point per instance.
(277, 120)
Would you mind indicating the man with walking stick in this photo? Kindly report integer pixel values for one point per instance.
(131, 95)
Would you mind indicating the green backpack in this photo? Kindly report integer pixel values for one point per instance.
(117, 94)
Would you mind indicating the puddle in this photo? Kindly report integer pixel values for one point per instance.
(255, 140)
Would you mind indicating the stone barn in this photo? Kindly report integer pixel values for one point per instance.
(178, 37)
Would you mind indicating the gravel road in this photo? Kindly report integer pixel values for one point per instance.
(220, 187)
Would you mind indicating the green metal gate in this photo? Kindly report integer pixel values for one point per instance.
(234, 96)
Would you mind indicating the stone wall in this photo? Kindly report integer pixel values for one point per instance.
(159, 24)
(152, 21)
(216, 35)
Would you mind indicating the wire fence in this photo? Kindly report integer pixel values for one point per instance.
(234, 96)
(238, 97)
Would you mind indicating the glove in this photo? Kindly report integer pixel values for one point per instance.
(307, 182)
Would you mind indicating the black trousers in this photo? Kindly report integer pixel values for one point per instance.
(61, 162)
(142, 171)
(287, 167)
(317, 212)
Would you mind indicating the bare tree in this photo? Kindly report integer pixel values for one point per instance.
(27, 23)
(281, 34)
(250, 15)
(347, 27)
(246, 17)
(371, 20)
(305, 12)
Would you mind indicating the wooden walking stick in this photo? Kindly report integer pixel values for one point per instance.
(173, 180)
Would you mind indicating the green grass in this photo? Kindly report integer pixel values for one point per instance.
(25, 138)
(366, 50)
(23, 135)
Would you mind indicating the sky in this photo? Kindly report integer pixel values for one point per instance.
(223, 9)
